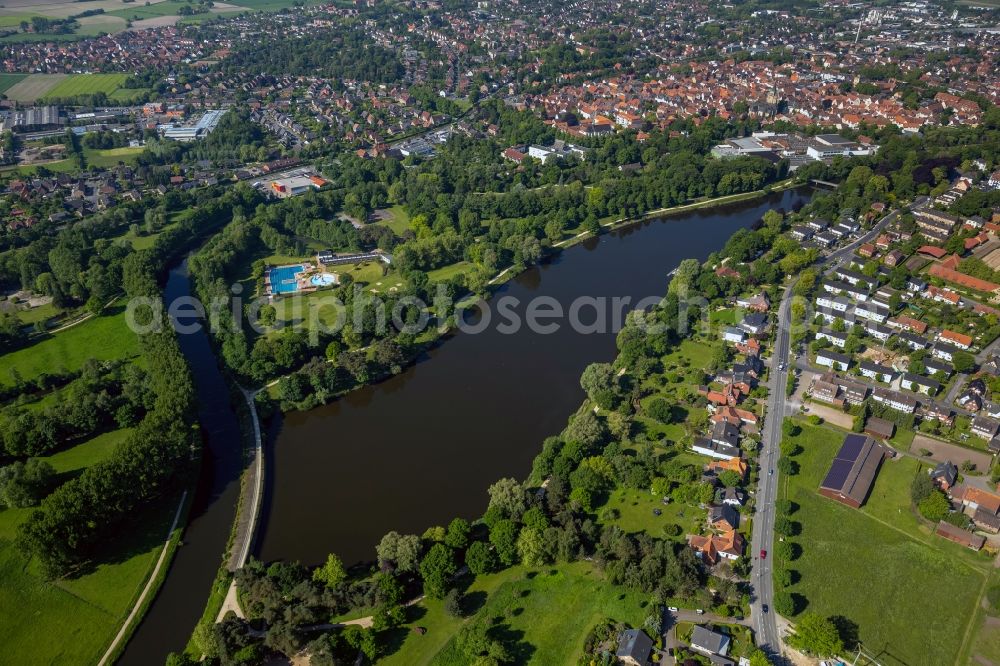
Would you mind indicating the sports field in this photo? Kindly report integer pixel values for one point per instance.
(86, 84)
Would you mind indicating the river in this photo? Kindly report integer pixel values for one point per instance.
(179, 604)
(421, 447)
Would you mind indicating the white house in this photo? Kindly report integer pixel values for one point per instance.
(833, 360)
(895, 400)
(734, 335)
(925, 385)
(872, 312)
(836, 338)
(836, 303)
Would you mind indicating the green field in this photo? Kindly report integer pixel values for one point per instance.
(126, 95)
(877, 566)
(86, 84)
(111, 156)
(7, 80)
(14, 20)
(141, 12)
(271, 5)
(104, 337)
(76, 616)
(548, 612)
(395, 218)
(635, 514)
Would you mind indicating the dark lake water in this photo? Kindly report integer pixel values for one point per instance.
(422, 447)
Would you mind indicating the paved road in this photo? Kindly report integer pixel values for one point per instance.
(766, 624)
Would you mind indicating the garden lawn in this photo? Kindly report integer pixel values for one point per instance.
(86, 84)
(102, 337)
(691, 354)
(875, 566)
(79, 616)
(635, 508)
(548, 612)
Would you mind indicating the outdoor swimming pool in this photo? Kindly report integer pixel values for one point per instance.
(283, 279)
(323, 280)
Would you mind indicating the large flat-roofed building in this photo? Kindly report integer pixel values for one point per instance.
(853, 470)
(199, 130)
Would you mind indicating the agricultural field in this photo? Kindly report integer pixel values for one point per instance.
(9, 80)
(548, 611)
(139, 12)
(103, 337)
(34, 87)
(79, 615)
(876, 565)
(86, 84)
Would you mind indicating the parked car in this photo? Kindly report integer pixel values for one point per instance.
(699, 611)
(672, 609)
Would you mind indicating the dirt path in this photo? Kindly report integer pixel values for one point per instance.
(150, 584)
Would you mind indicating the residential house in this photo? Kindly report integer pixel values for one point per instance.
(723, 518)
(833, 360)
(872, 311)
(733, 497)
(925, 385)
(895, 400)
(960, 340)
(707, 447)
(944, 351)
(944, 475)
(754, 323)
(877, 372)
(976, 498)
(758, 302)
(711, 548)
(934, 367)
(634, 647)
(836, 338)
(709, 642)
(733, 335)
(984, 427)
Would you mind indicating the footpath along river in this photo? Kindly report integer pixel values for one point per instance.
(422, 447)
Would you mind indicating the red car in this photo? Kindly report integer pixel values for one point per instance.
(763, 554)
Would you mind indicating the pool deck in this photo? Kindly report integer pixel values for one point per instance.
(302, 277)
